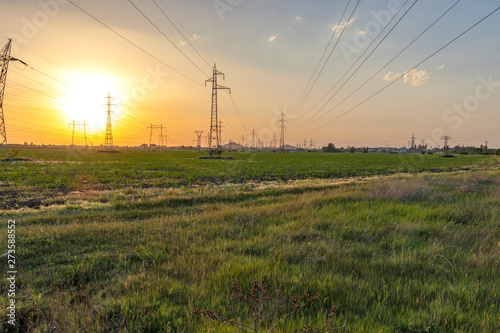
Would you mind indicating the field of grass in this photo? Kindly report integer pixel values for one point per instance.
(64, 170)
(133, 242)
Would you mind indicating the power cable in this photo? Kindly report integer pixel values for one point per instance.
(329, 56)
(322, 56)
(187, 39)
(130, 42)
(163, 34)
(362, 63)
(414, 67)
(390, 61)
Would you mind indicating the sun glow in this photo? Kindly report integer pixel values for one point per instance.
(85, 101)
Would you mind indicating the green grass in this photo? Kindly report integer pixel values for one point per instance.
(64, 170)
(403, 253)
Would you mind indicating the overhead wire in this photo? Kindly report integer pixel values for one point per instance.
(166, 37)
(178, 30)
(329, 56)
(362, 63)
(322, 56)
(408, 71)
(182, 26)
(134, 44)
(390, 61)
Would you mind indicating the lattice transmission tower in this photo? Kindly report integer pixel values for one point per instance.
(79, 124)
(446, 147)
(108, 141)
(282, 135)
(199, 137)
(5, 58)
(213, 135)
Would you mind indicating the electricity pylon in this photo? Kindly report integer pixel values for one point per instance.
(156, 127)
(253, 139)
(5, 58)
(282, 136)
(221, 143)
(198, 143)
(78, 124)
(108, 141)
(446, 138)
(213, 141)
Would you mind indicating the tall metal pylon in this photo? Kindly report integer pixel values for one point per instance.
(253, 138)
(446, 147)
(156, 127)
(108, 141)
(78, 124)
(198, 143)
(221, 143)
(5, 58)
(213, 141)
(282, 136)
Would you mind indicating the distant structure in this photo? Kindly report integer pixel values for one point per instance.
(108, 141)
(213, 136)
(198, 143)
(79, 124)
(5, 58)
(220, 133)
(282, 135)
(446, 147)
(160, 138)
(253, 133)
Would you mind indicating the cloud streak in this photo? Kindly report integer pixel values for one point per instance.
(413, 77)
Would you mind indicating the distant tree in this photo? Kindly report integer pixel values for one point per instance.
(330, 148)
(365, 150)
(352, 150)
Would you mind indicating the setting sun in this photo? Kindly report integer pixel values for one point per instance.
(85, 101)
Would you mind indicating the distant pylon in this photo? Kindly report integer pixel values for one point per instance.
(108, 142)
(213, 142)
(198, 144)
(5, 58)
(156, 127)
(253, 138)
(446, 138)
(221, 143)
(282, 135)
(78, 124)
(413, 142)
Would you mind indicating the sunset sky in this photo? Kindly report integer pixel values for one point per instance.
(268, 50)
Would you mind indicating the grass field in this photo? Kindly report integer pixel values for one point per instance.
(132, 242)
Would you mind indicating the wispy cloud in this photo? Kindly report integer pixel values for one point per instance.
(195, 37)
(413, 77)
(299, 18)
(272, 38)
(339, 27)
(440, 67)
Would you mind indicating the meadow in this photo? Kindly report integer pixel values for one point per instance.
(133, 242)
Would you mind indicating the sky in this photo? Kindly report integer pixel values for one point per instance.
(344, 72)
